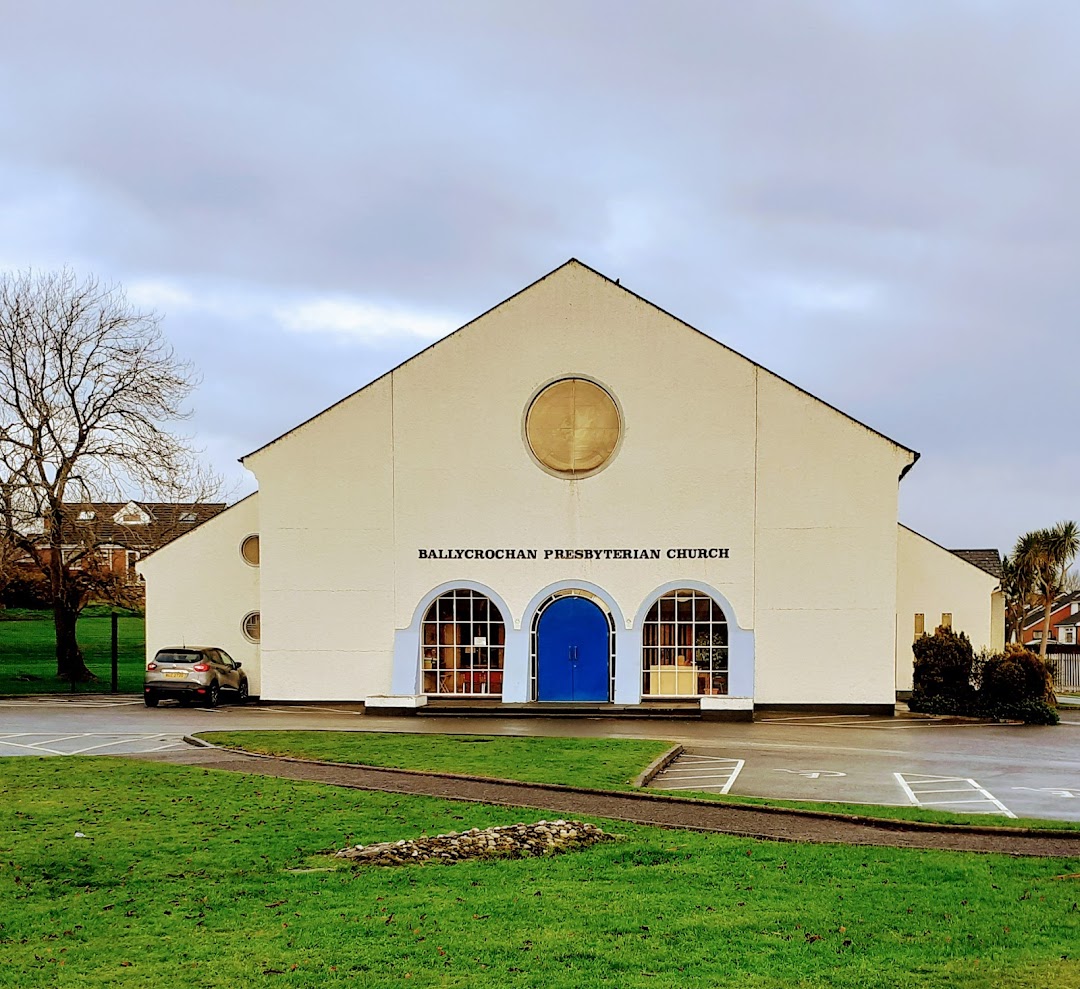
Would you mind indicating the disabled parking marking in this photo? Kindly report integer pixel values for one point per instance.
(810, 774)
(696, 772)
(917, 786)
(1064, 792)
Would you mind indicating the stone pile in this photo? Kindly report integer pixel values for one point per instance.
(513, 841)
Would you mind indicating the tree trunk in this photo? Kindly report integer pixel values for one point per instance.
(69, 657)
(1048, 606)
(1051, 695)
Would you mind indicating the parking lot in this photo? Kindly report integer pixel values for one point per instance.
(941, 763)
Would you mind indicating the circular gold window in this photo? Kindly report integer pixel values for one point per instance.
(249, 550)
(572, 427)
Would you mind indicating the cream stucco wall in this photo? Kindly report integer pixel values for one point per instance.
(716, 452)
(827, 492)
(198, 588)
(327, 574)
(931, 581)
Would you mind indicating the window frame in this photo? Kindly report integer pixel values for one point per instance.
(687, 675)
(257, 615)
(452, 662)
(258, 549)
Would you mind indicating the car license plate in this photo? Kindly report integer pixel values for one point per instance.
(176, 676)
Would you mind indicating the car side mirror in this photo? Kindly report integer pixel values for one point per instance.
(237, 664)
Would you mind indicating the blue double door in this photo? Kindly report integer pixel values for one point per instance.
(572, 652)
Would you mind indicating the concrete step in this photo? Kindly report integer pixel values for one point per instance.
(564, 709)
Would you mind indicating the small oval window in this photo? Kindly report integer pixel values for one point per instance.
(249, 550)
(252, 626)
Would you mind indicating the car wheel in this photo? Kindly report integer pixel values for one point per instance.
(150, 700)
(242, 693)
(213, 695)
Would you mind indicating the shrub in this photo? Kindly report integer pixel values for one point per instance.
(26, 589)
(1029, 711)
(1014, 685)
(943, 672)
(1015, 676)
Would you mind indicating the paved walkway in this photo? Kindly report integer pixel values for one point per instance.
(668, 812)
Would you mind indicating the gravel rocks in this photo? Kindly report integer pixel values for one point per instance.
(513, 841)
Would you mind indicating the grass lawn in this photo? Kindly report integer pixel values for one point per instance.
(28, 652)
(196, 878)
(602, 764)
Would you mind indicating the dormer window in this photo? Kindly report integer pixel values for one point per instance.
(131, 514)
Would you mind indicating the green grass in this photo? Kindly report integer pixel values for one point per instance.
(28, 652)
(195, 878)
(602, 764)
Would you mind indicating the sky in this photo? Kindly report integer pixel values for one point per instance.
(877, 201)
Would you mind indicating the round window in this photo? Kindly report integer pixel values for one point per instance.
(252, 626)
(573, 427)
(249, 550)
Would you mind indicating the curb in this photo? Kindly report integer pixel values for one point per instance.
(882, 823)
(661, 762)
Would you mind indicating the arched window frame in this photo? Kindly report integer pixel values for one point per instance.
(685, 646)
(462, 645)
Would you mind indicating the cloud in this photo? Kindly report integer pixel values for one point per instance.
(877, 201)
(159, 294)
(362, 321)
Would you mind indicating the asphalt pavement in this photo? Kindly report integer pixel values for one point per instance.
(943, 763)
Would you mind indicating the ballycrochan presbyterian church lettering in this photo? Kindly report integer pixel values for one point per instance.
(684, 553)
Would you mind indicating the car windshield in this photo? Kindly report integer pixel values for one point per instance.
(177, 656)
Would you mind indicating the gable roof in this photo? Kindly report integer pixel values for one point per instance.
(959, 554)
(97, 521)
(1035, 616)
(985, 559)
(613, 282)
(186, 530)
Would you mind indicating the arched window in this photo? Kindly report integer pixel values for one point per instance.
(684, 646)
(461, 645)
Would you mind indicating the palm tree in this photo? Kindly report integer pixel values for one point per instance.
(1044, 558)
(1016, 585)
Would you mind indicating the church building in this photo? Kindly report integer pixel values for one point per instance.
(574, 502)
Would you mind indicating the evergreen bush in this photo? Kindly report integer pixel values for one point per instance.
(1014, 676)
(1014, 685)
(944, 664)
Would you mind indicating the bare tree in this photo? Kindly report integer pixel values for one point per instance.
(88, 385)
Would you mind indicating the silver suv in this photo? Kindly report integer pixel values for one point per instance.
(193, 674)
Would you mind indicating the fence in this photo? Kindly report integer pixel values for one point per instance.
(28, 653)
(1067, 660)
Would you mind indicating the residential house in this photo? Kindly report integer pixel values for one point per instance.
(1062, 621)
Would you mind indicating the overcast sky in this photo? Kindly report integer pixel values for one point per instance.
(878, 201)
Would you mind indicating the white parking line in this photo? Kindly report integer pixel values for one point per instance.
(917, 786)
(32, 748)
(45, 744)
(675, 776)
(115, 741)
